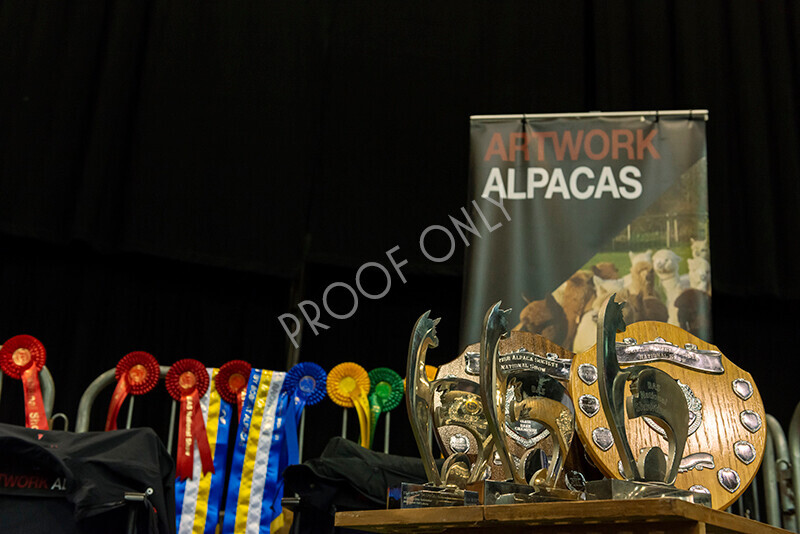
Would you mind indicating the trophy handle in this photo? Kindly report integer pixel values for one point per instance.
(560, 422)
(456, 470)
(495, 327)
(658, 396)
(611, 381)
(419, 395)
(442, 417)
(485, 449)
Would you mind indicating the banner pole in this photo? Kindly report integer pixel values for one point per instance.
(688, 113)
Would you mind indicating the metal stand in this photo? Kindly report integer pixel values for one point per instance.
(301, 437)
(130, 412)
(386, 433)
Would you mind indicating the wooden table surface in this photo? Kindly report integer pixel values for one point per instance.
(664, 516)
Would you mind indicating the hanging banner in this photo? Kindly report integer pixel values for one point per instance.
(598, 204)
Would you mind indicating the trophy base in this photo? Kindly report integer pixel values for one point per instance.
(426, 496)
(502, 492)
(612, 489)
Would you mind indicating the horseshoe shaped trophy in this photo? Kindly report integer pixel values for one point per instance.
(654, 394)
(535, 397)
(459, 406)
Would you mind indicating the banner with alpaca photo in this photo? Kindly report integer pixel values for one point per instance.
(595, 204)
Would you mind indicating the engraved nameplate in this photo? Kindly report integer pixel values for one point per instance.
(526, 432)
(425, 496)
(661, 350)
(551, 364)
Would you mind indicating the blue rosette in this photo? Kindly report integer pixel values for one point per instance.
(304, 384)
(307, 380)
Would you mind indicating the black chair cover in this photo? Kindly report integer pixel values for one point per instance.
(61, 482)
(345, 477)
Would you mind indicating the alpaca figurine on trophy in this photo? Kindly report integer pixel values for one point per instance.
(535, 397)
(457, 404)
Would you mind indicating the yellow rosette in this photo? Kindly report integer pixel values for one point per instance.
(348, 386)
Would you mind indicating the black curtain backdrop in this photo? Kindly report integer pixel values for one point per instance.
(168, 168)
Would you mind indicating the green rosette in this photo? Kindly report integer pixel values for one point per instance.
(385, 394)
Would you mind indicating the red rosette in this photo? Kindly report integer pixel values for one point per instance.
(231, 382)
(186, 376)
(136, 373)
(140, 370)
(22, 357)
(20, 353)
(187, 381)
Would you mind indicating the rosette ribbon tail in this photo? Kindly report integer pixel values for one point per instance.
(117, 398)
(35, 416)
(361, 404)
(192, 429)
(375, 410)
(240, 398)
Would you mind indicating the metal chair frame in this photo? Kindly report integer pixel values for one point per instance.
(99, 384)
(48, 389)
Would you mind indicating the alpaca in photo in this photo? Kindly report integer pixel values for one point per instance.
(578, 293)
(586, 333)
(558, 293)
(652, 309)
(694, 312)
(544, 317)
(643, 279)
(665, 263)
(644, 307)
(646, 256)
(641, 257)
(605, 270)
(700, 249)
(604, 287)
(699, 274)
(643, 303)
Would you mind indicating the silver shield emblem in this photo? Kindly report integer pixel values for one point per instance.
(602, 438)
(750, 420)
(744, 451)
(588, 373)
(589, 405)
(742, 388)
(728, 479)
(459, 443)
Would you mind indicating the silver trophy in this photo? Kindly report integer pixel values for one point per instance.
(521, 393)
(653, 394)
(457, 404)
(520, 350)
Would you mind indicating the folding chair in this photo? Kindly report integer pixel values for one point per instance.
(106, 379)
(779, 475)
(794, 458)
(99, 384)
(776, 469)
